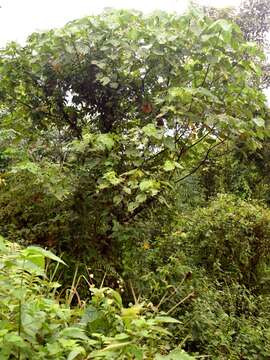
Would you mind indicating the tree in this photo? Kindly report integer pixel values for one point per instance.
(110, 111)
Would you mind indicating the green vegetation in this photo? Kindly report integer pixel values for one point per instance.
(34, 325)
(136, 148)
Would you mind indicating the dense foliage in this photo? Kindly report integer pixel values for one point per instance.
(33, 325)
(137, 147)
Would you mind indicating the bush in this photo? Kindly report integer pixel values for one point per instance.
(222, 310)
(230, 238)
(228, 323)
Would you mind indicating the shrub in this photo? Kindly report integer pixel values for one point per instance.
(230, 238)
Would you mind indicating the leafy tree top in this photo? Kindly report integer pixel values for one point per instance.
(131, 101)
(107, 70)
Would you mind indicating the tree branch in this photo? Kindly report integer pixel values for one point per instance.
(202, 162)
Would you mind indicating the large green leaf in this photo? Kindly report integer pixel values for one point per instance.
(37, 254)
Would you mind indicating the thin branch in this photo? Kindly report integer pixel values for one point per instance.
(202, 162)
(208, 66)
(191, 295)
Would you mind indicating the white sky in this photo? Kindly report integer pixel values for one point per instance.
(19, 18)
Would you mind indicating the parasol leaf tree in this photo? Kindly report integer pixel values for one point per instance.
(101, 117)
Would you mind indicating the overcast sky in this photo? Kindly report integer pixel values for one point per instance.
(19, 18)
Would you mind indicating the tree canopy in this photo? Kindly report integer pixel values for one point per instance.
(111, 110)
